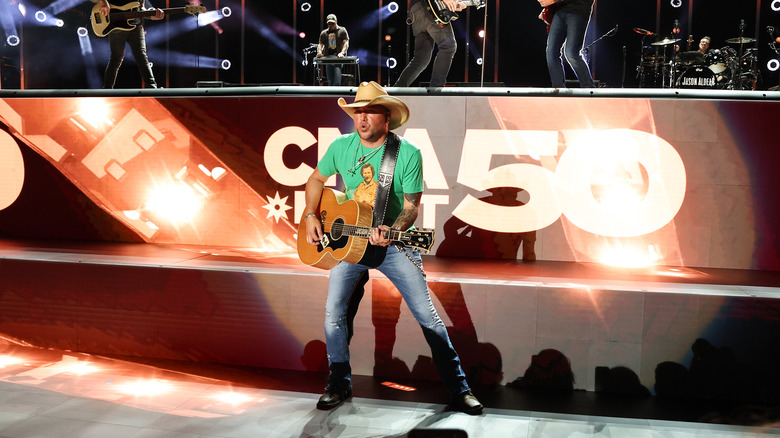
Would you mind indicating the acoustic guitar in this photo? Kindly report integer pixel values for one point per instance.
(119, 16)
(346, 226)
(443, 15)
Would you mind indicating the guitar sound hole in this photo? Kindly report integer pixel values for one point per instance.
(337, 229)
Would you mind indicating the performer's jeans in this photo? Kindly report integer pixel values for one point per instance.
(333, 73)
(426, 32)
(410, 281)
(135, 38)
(568, 28)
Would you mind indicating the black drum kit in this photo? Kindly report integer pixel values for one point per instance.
(663, 65)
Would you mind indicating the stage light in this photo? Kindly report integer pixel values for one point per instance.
(302, 35)
(225, 64)
(481, 33)
(226, 12)
(776, 5)
(13, 40)
(82, 31)
(399, 387)
(388, 38)
(305, 7)
(78, 368)
(146, 388)
(59, 23)
(479, 61)
(773, 65)
(676, 3)
(391, 63)
(232, 398)
(8, 360)
(777, 40)
(392, 7)
(174, 202)
(40, 16)
(96, 112)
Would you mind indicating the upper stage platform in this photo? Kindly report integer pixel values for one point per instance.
(472, 90)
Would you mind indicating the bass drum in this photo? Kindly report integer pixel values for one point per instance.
(697, 76)
(721, 59)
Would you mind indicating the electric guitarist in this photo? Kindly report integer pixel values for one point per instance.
(399, 178)
(136, 39)
(568, 25)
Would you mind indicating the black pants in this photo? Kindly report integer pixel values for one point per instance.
(137, 41)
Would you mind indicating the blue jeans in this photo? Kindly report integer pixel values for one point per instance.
(410, 281)
(569, 28)
(426, 33)
(333, 74)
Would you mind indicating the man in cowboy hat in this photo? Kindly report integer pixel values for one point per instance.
(375, 114)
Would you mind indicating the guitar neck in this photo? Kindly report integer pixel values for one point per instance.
(129, 15)
(365, 232)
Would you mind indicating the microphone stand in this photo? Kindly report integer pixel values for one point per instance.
(484, 42)
(586, 49)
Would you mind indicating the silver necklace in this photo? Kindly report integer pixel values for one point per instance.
(358, 162)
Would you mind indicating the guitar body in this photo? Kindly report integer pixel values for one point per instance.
(102, 26)
(443, 16)
(334, 211)
(119, 17)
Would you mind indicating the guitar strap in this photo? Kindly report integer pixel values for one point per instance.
(385, 178)
(375, 255)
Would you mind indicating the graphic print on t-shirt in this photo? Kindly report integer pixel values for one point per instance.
(332, 41)
(366, 191)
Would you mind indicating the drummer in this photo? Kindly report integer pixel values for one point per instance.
(704, 45)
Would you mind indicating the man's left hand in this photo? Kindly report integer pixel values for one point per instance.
(454, 5)
(158, 14)
(377, 236)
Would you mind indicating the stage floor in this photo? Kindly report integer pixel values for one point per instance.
(51, 393)
(43, 394)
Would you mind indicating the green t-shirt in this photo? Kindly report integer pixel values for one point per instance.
(359, 168)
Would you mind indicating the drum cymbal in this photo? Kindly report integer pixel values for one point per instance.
(665, 41)
(641, 31)
(740, 40)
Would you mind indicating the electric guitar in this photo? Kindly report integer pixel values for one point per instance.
(346, 226)
(119, 16)
(442, 15)
(547, 16)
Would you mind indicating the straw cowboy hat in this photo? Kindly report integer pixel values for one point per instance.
(371, 93)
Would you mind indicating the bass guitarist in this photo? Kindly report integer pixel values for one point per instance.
(568, 24)
(428, 32)
(375, 114)
(136, 39)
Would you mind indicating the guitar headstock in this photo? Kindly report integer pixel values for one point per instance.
(420, 239)
(194, 9)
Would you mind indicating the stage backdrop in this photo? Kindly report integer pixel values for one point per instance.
(625, 181)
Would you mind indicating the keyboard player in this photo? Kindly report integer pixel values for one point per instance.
(334, 41)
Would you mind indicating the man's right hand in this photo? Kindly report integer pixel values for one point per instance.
(104, 8)
(313, 229)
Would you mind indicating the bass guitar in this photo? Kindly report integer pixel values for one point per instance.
(443, 15)
(346, 226)
(119, 16)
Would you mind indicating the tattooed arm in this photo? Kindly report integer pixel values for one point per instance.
(404, 220)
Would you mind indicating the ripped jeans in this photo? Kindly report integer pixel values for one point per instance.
(410, 281)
